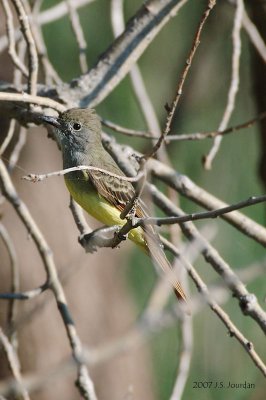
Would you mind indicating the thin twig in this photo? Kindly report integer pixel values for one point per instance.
(117, 60)
(234, 85)
(12, 309)
(59, 10)
(11, 39)
(79, 35)
(18, 76)
(138, 190)
(223, 316)
(13, 364)
(33, 56)
(79, 218)
(185, 357)
(27, 98)
(17, 80)
(247, 301)
(200, 215)
(140, 91)
(253, 33)
(172, 108)
(8, 137)
(184, 136)
(27, 295)
(185, 352)
(41, 177)
(48, 16)
(49, 72)
(128, 131)
(22, 135)
(254, 36)
(185, 186)
(14, 157)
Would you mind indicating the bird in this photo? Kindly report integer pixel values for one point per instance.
(78, 132)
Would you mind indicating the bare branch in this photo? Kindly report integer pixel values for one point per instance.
(46, 17)
(184, 358)
(142, 176)
(14, 157)
(115, 63)
(41, 177)
(29, 294)
(253, 33)
(224, 317)
(33, 57)
(13, 364)
(189, 189)
(128, 131)
(184, 136)
(200, 215)
(8, 137)
(233, 89)
(247, 301)
(50, 74)
(172, 108)
(12, 310)
(59, 11)
(27, 98)
(79, 35)
(254, 36)
(11, 39)
(140, 91)
(79, 218)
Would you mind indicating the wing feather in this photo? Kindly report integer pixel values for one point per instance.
(116, 191)
(119, 192)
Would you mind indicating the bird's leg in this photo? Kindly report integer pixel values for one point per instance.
(122, 233)
(132, 212)
(118, 237)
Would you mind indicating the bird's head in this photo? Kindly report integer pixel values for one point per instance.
(76, 127)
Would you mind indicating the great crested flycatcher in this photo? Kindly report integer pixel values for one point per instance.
(103, 196)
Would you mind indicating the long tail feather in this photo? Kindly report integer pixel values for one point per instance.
(157, 253)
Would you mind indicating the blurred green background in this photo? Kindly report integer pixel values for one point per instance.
(216, 356)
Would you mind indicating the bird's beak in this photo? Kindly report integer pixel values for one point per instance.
(54, 121)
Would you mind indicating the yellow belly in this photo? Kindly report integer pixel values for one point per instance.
(95, 205)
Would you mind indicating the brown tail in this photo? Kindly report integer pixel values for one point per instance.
(157, 253)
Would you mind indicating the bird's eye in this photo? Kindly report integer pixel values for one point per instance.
(76, 126)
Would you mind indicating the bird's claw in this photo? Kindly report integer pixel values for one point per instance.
(120, 236)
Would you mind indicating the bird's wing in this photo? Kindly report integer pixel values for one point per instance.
(117, 192)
